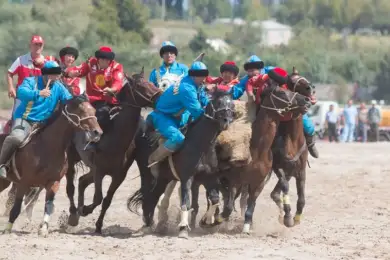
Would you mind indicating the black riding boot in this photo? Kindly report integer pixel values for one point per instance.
(310, 141)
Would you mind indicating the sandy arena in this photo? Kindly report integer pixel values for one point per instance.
(347, 216)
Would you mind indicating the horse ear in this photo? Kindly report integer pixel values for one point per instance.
(294, 70)
(142, 73)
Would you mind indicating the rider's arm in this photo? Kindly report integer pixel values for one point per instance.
(238, 90)
(64, 93)
(83, 69)
(152, 77)
(189, 100)
(26, 91)
(117, 79)
(15, 67)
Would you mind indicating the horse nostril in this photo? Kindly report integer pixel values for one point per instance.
(307, 99)
(96, 132)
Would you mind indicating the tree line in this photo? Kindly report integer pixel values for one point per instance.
(318, 50)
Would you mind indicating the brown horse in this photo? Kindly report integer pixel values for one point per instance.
(290, 155)
(264, 128)
(42, 160)
(115, 152)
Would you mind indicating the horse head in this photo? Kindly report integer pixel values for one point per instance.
(300, 84)
(81, 114)
(285, 101)
(221, 108)
(138, 92)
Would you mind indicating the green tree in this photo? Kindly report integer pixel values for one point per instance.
(198, 43)
(382, 79)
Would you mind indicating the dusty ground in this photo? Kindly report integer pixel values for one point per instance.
(347, 216)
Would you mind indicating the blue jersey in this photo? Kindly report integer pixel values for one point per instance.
(185, 96)
(32, 106)
(175, 68)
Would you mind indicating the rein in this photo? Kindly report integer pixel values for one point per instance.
(280, 111)
(77, 123)
(215, 111)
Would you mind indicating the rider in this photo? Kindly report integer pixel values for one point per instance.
(255, 69)
(68, 55)
(168, 53)
(280, 76)
(229, 72)
(38, 97)
(27, 65)
(173, 109)
(104, 80)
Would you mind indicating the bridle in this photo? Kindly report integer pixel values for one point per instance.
(133, 92)
(68, 115)
(215, 111)
(285, 109)
(300, 78)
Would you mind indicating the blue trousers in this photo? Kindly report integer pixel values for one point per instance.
(308, 125)
(169, 127)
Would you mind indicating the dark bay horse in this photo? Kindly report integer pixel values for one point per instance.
(183, 163)
(270, 112)
(115, 152)
(42, 159)
(290, 155)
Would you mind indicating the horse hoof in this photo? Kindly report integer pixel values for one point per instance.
(288, 221)
(297, 220)
(43, 230)
(246, 228)
(183, 232)
(73, 220)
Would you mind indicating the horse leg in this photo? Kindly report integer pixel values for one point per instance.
(115, 183)
(49, 208)
(275, 196)
(300, 183)
(254, 191)
(11, 199)
(150, 200)
(194, 203)
(84, 182)
(164, 205)
(244, 199)
(98, 195)
(73, 219)
(229, 204)
(185, 206)
(288, 220)
(15, 211)
(210, 219)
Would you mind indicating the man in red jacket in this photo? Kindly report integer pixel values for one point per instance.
(229, 72)
(104, 78)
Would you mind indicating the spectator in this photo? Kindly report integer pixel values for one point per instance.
(350, 118)
(332, 122)
(363, 122)
(374, 119)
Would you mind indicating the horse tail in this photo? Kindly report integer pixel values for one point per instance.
(135, 201)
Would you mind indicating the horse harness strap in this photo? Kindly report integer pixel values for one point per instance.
(173, 169)
(301, 150)
(158, 75)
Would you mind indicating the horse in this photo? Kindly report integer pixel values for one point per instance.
(41, 160)
(115, 152)
(290, 155)
(182, 164)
